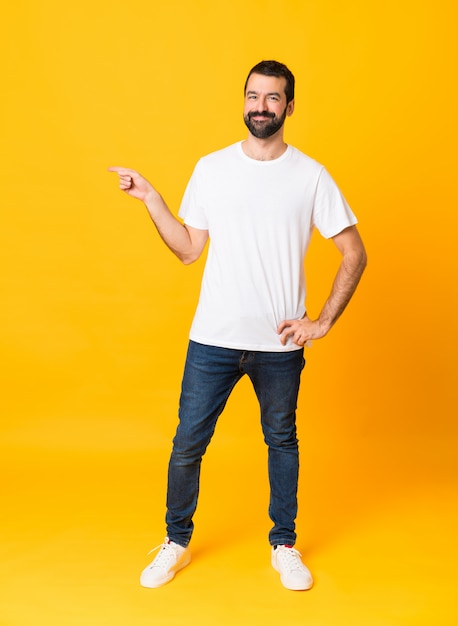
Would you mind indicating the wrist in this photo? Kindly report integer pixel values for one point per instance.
(325, 325)
(151, 196)
(153, 201)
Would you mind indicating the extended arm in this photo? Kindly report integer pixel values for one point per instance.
(185, 242)
(347, 278)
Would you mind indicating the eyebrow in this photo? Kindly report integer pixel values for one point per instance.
(271, 93)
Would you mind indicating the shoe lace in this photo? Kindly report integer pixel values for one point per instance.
(166, 554)
(291, 558)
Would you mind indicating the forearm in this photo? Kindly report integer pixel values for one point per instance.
(186, 243)
(172, 231)
(343, 288)
(352, 266)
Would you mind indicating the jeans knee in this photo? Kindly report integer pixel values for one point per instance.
(280, 433)
(282, 441)
(187, 451)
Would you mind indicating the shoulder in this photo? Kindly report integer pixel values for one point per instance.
(222, 155)
(217, 163)
(303, 160)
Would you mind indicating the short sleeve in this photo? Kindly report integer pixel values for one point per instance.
(192, 209)
(331, 212)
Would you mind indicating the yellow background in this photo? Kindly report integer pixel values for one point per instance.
(95, 313)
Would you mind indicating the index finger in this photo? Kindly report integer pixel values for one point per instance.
(121, 170)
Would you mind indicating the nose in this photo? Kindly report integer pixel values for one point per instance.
(263, 103)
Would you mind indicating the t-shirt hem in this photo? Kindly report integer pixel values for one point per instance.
(253, 347)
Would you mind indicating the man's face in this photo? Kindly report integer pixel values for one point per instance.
(265, 107)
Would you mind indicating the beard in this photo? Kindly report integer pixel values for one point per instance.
(264, 129)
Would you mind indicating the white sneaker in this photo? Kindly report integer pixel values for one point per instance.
(170, 559)
(293, 573)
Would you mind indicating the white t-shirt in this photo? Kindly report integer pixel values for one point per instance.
(260, 216)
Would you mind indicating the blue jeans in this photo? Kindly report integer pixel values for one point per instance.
(210, 375)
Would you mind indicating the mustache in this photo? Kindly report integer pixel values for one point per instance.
(263, 113)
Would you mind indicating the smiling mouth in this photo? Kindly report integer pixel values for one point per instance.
(261, 117)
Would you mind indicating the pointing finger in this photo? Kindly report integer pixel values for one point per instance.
(122, 171)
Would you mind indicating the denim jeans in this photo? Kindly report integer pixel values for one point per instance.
(210, 375)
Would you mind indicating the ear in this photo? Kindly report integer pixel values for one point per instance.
(290, 108)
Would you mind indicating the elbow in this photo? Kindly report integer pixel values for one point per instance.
(355, 262)
(187, 255)
(359, 257)
(360, 264)
(363, 260)
(188, 259)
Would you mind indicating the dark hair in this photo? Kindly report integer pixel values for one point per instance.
(274, 68)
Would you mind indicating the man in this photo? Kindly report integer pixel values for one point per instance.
(257, 201)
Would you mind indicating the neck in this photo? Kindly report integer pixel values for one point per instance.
(264, 149)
